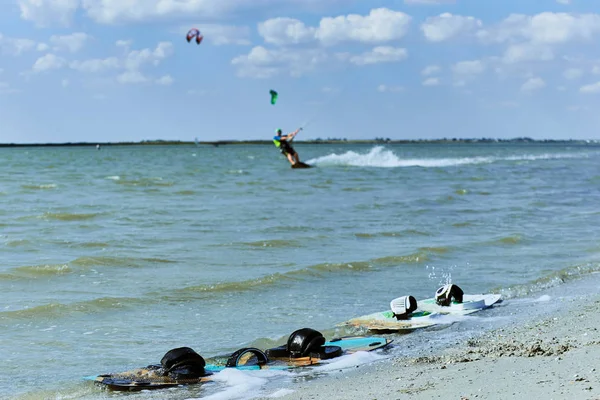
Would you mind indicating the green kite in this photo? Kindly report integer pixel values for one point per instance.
(273, 96)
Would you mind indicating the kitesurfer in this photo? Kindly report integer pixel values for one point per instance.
(283, 143)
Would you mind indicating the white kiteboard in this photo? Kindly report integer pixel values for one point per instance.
(403, 315)
(471, 303)
(386, 321)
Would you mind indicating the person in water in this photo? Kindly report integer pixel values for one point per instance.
(283, 142)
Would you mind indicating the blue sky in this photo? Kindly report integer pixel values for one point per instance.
(116, 70)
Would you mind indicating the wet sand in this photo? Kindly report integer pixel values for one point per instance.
(555, 357)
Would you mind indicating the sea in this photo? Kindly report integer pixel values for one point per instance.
(110, 257)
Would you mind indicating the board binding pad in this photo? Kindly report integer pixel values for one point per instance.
(450, 299)
(300, 164)
(153, 376)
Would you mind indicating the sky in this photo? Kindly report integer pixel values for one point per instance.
(122, 70)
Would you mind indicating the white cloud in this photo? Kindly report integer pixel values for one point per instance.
(283, 31)
(565, 2)
(124, 43)
(15, 46)
(131, 77)
(226, 34)
(380, 25)
(194, 92)
(430, 70)
(73, 42)
(165, 80)
(474, 67)
(42, 47)
(578, 108)
(592, 88)
(544, 28)
(5, 88)
(429, 2)
(447, 26)
(533, 84)
(130, 64)
(527, 52)
(96, 65)
(329, 89)
(380, 54)
(115, 11)
(218, 34)
(573, 73)
(136, 58)
(48, 62)
(45, 12)
(263, 63)
(431, 82)
(391, 89)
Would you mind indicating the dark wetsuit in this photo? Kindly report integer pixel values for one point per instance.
(285, 146)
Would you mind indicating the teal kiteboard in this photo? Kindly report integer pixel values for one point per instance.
(183, 366)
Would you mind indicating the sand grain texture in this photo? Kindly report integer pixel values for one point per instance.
(557, 357)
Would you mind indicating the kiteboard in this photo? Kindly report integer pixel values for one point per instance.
(471, 303)
(386, 321)
(407, 314)
(403, 315)
(300, 164)
(183, 366)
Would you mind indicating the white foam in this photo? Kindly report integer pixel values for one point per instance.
(350, 361)
(447, 319)
(381, 157)
(241, 384)
(529, 300)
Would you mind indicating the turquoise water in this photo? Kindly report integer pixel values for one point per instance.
(112, 257)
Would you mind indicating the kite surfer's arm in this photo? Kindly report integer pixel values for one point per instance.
(290, 136)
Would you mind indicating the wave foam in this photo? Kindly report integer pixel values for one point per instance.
(241, 384)
(381, 157)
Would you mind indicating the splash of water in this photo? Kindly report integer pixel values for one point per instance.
(380, 157)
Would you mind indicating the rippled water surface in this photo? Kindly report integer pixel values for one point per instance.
(112, 257)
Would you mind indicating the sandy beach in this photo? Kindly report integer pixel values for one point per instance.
(555, 357)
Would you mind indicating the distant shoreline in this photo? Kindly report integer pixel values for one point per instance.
(316, 141)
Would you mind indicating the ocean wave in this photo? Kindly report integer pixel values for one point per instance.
(78, 265)
(40, 187)
(57, 310)
(312, 271)
(273, 243)
(552, 279)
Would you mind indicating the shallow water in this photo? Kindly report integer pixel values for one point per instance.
(112, 257)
